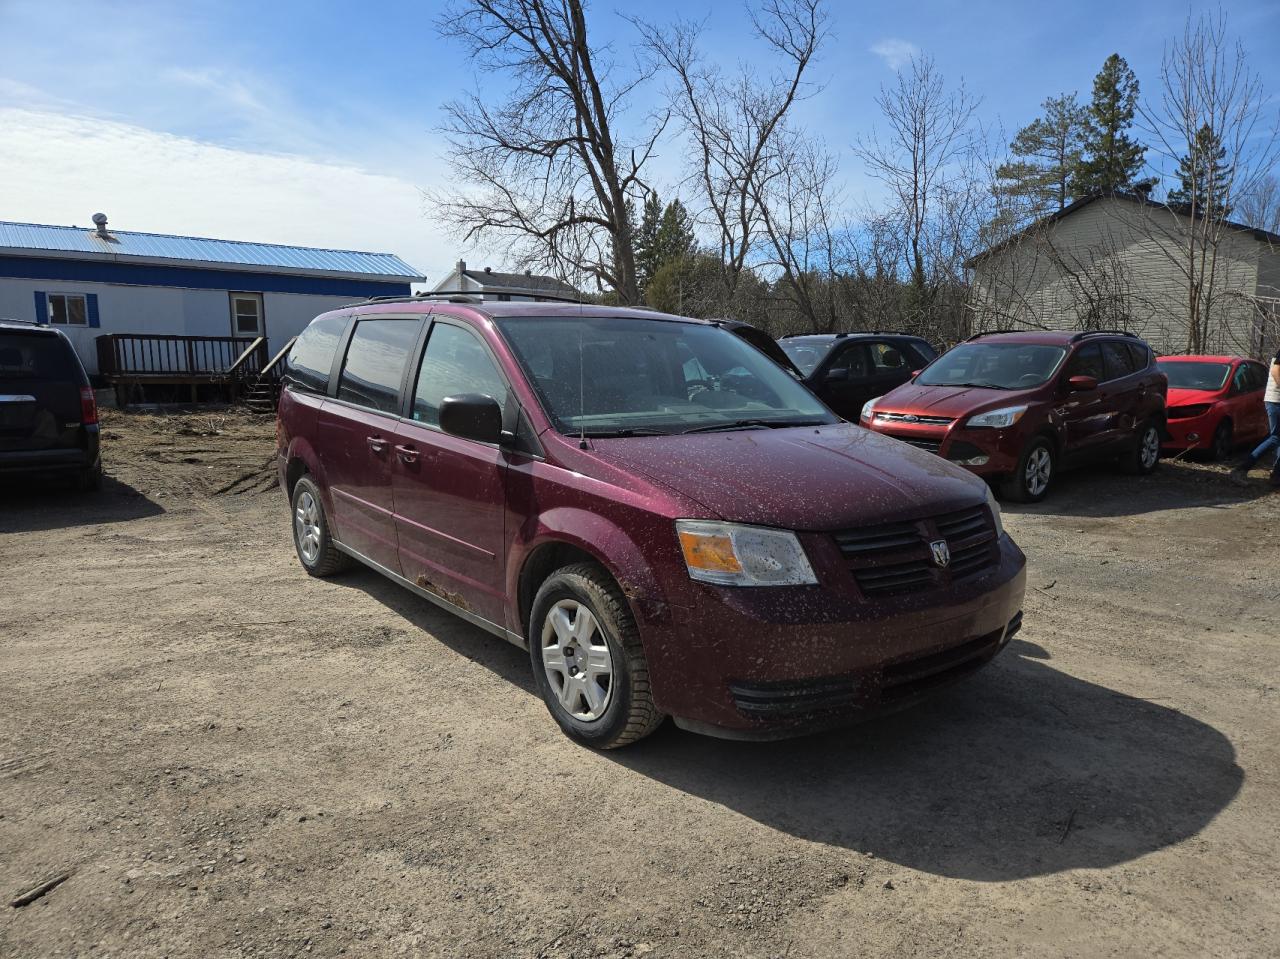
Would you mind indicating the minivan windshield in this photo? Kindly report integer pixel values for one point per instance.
(1000, 366)
(619, 376)
(1195, 375)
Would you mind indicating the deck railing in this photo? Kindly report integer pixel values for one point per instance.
(160, 355)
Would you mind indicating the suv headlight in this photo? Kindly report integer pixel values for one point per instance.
(869, 409)
(730, 554)
(995, 512)
(998, 419)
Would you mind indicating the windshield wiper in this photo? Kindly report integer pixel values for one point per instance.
(980, 386)
(629, 431)
(743, 424)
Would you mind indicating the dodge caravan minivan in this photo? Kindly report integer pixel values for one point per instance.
(669, 522)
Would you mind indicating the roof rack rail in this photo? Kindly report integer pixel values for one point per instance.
(1081, 335)
(467, 296)
(977, 336)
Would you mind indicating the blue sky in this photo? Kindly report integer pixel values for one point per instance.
(315, 122)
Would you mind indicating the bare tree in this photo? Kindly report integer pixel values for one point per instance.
(924, 159)
(1258, 205)
(736, 122)
(1210, 102)
(547, 171)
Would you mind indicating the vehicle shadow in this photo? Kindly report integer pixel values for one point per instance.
(1020, 771)
(28, 506)
(1103, 492)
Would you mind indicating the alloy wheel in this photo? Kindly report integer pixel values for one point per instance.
(577, 660)
(1038, 471)
(306, 527)
(1150, 447)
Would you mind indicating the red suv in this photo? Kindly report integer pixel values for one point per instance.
(1019, 407)
(662, 516)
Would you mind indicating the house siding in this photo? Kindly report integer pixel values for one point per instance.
(1115, 261)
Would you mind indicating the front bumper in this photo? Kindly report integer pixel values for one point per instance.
(1191, 434)
(763, 664)
(984, 452)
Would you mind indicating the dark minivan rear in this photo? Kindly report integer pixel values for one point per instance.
(48, 417)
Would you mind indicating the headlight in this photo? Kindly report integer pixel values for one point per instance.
(869, 408)
(730, 554)
(995, 512)
(998, 419)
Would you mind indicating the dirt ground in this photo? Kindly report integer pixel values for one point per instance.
(232, 759)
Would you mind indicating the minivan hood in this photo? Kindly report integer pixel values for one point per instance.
(950, 401)
(801, 478)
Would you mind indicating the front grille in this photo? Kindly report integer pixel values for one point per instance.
(1187, 412)
(794, 700)
(932, 446)
(912, 418)
(898, 558)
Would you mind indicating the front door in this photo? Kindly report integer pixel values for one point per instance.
(246, 315)
(1085, 412)
(450, 493)
(356, 432)
(843, 385)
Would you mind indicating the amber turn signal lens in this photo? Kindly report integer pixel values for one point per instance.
(712, 553)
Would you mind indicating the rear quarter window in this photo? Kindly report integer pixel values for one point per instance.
(311, 358)
(35, 357)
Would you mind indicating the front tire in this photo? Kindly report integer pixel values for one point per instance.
(1145, 455)
(1035, 472)
(587, 659)
(1223, 442)
(311, 536)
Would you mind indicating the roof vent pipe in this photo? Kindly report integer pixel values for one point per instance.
(100, 221)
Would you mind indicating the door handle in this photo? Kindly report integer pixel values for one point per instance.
(408, 453)
(376, 443)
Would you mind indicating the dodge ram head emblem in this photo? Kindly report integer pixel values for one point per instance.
(941, 553)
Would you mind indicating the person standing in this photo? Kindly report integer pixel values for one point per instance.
(1271, 400)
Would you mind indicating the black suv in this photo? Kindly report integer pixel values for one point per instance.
(48, 417)
(847, 369)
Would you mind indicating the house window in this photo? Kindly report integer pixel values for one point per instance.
(68, 309)
(246, 314)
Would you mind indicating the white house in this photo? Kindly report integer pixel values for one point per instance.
(490, 285)
(95, 281)
(1123, 260)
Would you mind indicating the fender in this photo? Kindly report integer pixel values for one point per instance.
(602, 539)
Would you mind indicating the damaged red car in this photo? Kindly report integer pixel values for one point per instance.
(667, 521)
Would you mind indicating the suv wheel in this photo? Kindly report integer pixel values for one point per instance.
(90, 478)
(1030, 481)
(311, 537)
(1223, 441)
(1145, 455)
(587, 659)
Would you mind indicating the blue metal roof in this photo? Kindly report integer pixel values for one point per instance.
(81, 243)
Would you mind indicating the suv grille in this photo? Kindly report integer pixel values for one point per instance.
(898, 558)
(912, 418)
(933, 446)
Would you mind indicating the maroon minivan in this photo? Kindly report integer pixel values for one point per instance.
(664, 518)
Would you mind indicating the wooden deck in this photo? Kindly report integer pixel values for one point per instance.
(132, 362)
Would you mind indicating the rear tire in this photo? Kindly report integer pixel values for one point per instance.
(1145, 455)
(90, 478)
(311, 536)
(1034, 474)
(588, 663)
(1223, 442)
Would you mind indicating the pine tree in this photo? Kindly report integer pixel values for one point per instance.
(675, 234)
(1205, 177)
(1112, 158)
(646, 240)
(1049, 149)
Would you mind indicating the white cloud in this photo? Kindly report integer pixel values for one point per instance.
(895, 53)
(61, 168)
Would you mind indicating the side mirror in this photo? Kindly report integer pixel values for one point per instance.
(838, 375)
(473, 416)
(1082, 384)
(915, 373)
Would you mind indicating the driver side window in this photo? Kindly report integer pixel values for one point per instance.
(853, 360)
(454, 362)
(1087, 362)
